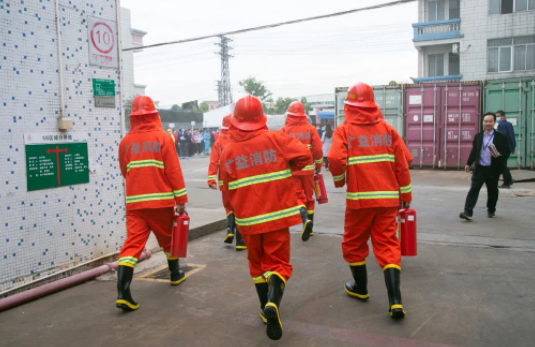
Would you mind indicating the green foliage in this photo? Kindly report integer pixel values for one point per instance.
(393, 83)
(204, 107)
(280, 106)
(255, 88)
(176, 107)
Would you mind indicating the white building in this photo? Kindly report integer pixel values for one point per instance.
(475, 39)
(130, 37)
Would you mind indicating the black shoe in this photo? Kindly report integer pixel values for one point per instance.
(177, 275)
(240, 244)
(358, 289)
(311, 217)
(307, 225)
(231, 225)
(392, 280)
(492, 214)
(262, 291)
(271, 311)
(124, 298)
(504, 186)
(465, 215)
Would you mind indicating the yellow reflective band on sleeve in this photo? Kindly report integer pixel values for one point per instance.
(212, 178)
(319, 161)
(144, 163)
(179, 193)
(149, 197)
(308, 168)
(406, 189)
(339, 178)
(372, 195)
(309, 145)
(365, 159)
(248, 181)
(220, 183)
(268, 217)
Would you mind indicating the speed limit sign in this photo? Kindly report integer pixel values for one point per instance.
(102, 42)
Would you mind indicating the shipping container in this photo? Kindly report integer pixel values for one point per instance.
(516, 97)
(441, 120)
(388, 98)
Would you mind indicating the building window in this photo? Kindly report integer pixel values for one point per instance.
(436, 10)
(436, 65)
(513, 54)
(455, 9)
(454, 64)
(510, 6)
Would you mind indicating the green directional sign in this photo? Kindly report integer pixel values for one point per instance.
(103, 87)
(56, 164)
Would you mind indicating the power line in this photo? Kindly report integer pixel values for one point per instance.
(268, 26)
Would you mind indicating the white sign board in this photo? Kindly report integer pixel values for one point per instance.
(512, 121)
(172, 125)
(428, 118)
(102, 42)
(192, 123)
(415, 100)
(54, 137)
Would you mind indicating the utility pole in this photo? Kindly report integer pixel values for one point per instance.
(219, 93)
(224, 88)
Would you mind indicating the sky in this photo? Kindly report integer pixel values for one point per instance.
(296, 60)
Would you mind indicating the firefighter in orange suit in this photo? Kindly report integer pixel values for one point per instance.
(297, 126)
(213, 169)
(256, 170)
(368, 154)
(154, 186)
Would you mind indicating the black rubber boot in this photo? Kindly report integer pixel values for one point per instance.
(262, 291)
(231, 225)
(359, 288)
(307, 225)
(271, 311)
(392, 279)
(240, 244)
(177, 275)
(124, 298)
(311, 218)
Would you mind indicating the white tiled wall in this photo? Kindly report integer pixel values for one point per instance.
(43, 232)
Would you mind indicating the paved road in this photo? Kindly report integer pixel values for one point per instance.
(470, 285)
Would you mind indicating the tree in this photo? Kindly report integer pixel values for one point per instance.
(308, 106)
(280, 106)
(255, 88)
(204, 107)
(176, 107)
(393, 83)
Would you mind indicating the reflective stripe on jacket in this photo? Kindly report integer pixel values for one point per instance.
(300, 129)
(369, 155)
(255, 171)
(150, 166)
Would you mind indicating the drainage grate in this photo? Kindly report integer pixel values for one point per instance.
(161, 274)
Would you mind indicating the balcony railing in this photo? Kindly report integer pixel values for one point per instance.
(441, 30)
(450, 78)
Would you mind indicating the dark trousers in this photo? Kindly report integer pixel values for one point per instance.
(326, 163)
(184, 149)
(507, 178)
(483, 174)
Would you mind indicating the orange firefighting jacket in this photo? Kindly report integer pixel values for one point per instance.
(299, 128)
(219, 144)
(368, 153)
(150, 165)
(256, 170)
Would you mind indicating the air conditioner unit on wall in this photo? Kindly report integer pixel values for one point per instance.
(455, 48)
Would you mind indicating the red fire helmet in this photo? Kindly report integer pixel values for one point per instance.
(296, 109)
(249, 114)
(360, 95)
(226, 122)
(143, 105)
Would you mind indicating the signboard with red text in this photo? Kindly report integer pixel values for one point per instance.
(102, 42)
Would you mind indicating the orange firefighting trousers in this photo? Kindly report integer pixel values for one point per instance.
(380, 223)
(304, 189)
(226, 202)
(139, 223)
(269, 253)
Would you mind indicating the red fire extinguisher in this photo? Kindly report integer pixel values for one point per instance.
(319, 188)
(408, 232)
(179, 244)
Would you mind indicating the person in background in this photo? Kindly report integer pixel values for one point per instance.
(183, 138)
(154, 187)
(327, 139)
(170, 132)
(505, 127)
(198, 142)
(368, 154)
(488, 166)
(177, 143)
(191, 143)
(206, 139)
(320, 133)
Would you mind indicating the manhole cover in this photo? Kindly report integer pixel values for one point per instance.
(161, 273)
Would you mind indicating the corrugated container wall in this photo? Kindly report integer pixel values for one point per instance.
(388, 98)
(441, 121)
(516, 97)
(47, 231)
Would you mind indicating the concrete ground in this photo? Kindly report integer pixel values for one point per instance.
(470, 285)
